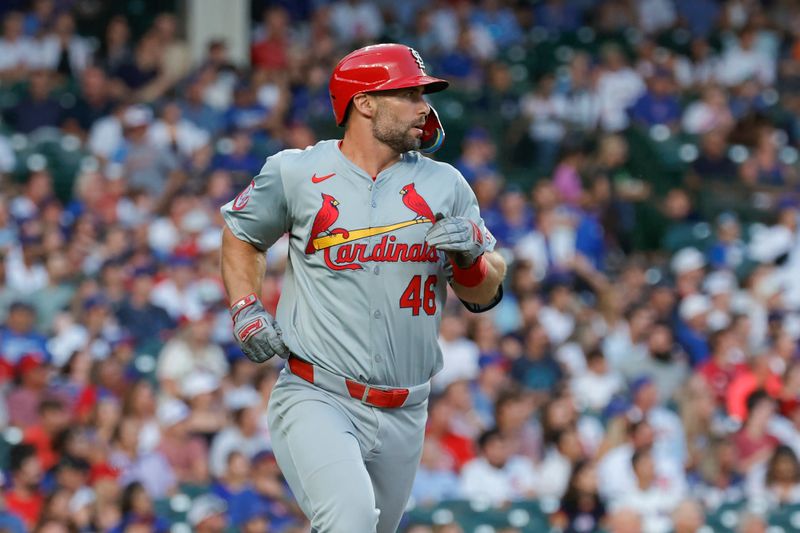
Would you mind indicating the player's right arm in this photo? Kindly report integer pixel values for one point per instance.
(243, 266)
(254, 220)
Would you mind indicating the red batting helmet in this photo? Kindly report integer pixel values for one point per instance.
(378, 67)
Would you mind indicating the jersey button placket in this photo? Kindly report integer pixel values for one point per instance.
(374, 220)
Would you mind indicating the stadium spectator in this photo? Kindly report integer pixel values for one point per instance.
(754, 444)
(243, 435)
(654, 498)
(497, 476)
(435, 480)
(25, 498)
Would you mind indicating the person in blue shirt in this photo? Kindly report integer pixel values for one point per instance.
(691, 330)
(247, 113)
(537, 369)
(515, 220)
(499, 21)
(144, 321)
(18, 337)
(196, 110)
(240, 159)
(478, 154)
(659, 105)
(234, 487)
(728, 251)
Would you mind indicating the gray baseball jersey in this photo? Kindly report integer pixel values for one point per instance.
(363, 293)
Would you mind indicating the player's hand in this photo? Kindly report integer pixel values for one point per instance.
(256, 331)
(460, 237)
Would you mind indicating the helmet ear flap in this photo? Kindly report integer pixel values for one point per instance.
(432, 133)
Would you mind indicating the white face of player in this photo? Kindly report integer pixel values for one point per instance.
(399, 117)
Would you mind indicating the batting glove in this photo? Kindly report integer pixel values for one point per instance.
(256, 331)
(460, 237)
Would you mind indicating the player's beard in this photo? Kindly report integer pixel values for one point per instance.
(397, 136)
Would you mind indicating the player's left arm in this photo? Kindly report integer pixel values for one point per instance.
(489, 290)
(476, 270)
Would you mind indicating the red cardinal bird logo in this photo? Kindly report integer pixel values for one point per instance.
(415, 202)
(325, 218)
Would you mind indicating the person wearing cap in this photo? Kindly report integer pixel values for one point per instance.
(33, 374)
(374, 182)
(186, 453)
(207, 416)
(243, 435)
(688, 266)
(275, 499)
(721, 286)
(691, 331)
(144, 165)
(208, 514)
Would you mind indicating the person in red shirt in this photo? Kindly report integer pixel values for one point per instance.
(754, 444)
(187, 454)
(25, 498)
(53, 418)
(457, 448)
(725, 363)
(33, 372)
(756, 375)
(271, 52)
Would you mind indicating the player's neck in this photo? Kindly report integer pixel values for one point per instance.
(367, 153)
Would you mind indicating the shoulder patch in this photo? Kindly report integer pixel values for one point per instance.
(241, 200)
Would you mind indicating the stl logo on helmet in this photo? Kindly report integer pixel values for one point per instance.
(418, 59)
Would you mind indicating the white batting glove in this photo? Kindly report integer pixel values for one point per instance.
(460, 237)
(256, 331)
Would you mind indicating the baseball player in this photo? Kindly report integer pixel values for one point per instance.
(377, 231)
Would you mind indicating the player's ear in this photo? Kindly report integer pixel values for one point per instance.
(364, 104)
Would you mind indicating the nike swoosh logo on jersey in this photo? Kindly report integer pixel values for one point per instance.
(320, 179)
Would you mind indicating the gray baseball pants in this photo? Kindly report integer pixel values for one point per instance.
(350, 465)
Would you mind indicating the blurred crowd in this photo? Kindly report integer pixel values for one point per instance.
(637, 161)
